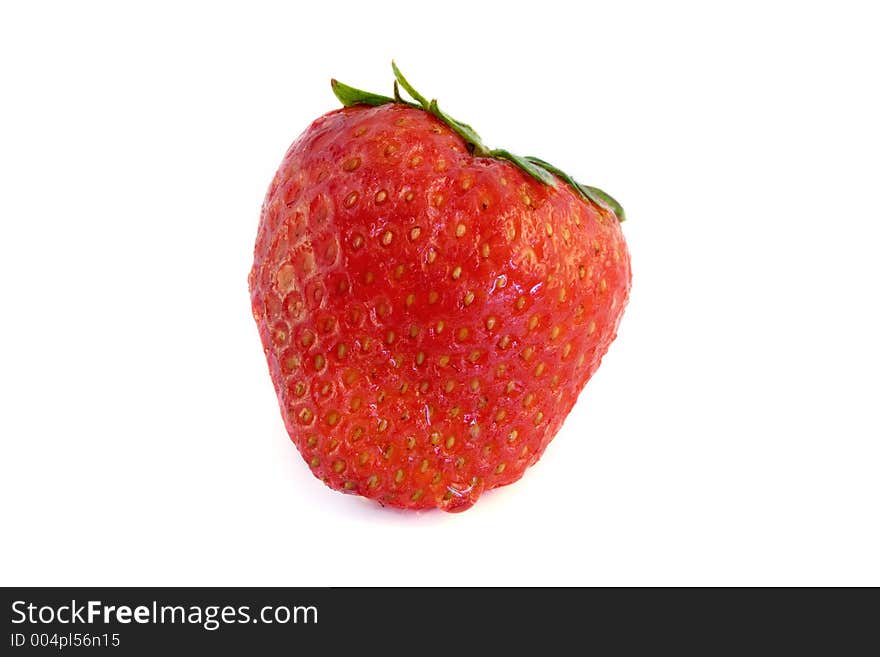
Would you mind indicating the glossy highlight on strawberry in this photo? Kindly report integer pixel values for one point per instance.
(429, 309)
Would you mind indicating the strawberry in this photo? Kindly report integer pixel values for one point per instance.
(430, 309)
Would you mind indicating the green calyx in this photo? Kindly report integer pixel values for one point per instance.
(537, 168)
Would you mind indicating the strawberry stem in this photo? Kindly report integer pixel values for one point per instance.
(537, 168)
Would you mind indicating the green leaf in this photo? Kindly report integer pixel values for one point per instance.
(416, 96)
(473, 140)
(609, 200)
(537, 172)
(349, 96)
(592, 194)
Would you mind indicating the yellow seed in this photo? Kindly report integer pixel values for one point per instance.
(420, 358)
(504, 341)
(450, 442)
(459, 462)
(315, 462)
(500, 468)
(454, 411)
(363, 458)
(511, 437)
(360, 131)
(502, 281)
(562, 295)
(351, 164)
(440, 326)
(424, 386)
(554, 332)
(373, 481)
(403, 387)
(416, 161)
(443, 361)
(456, 273)
(356, 404)
(474, 431)
(424, 465)
(319, 362)
(566, 350)
(538, 418)
(490, 323)
(381, 195)
(398, 476)
(410, 442)
(432, 297)
(409, 197)
(369, 277)
(332, 418)
(413, 331)
(484, 250)
(511, 386)
(338, 466)
(390, 337)
(398, 271)
(414, 233)
(349, 485)
(475, 384)
(459, 230)
(435, 440)
(500, 415)
(387, 236)
(520, 302)
(603, 285)
(351, 199)
(539, 369)
(432, 256)
(527, 353)
(549, 230)
(416, 496)
(475, 355)
(383, 424)
(533, 322)
(582, 271)
(312, 441)
(468, 298)
(449, 385)
(410, 299)
(463, 333)
(592, 327)
(529, 398)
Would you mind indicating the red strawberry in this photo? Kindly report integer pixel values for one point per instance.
(429, 309)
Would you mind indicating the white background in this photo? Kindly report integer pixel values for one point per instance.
(731, 435)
